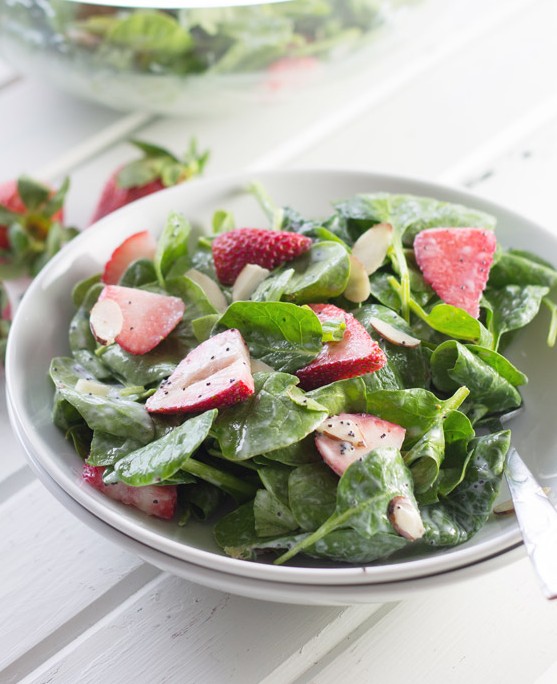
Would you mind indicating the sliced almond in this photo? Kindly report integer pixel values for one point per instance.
(210, 288)
(371, 247)
(405, 518)
(248, 280)
(342, 430)
(504, 508)
(358, 288)
(106, 321)
(392, 334)
(258, 366)
(91, 387)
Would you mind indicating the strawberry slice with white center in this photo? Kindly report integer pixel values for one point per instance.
(356, 354)
(156, 500)
(339, 450)
(137, 246)
(215, 374)
(456, 263)
(136, 319)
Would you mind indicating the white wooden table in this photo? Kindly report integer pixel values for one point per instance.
(463, 92)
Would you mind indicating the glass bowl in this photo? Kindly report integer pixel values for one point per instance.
(187, 57)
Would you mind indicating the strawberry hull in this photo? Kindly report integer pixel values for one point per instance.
(356, 354)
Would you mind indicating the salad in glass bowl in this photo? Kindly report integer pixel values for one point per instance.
(315, 387)
(186, 57)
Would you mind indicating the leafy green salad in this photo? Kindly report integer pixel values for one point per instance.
(192, 41)
(312, 387)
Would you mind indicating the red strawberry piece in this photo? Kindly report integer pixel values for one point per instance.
(339, 451)
(156, 170)
(136, 319)
(291, 72)
(138, 246)
(156, 500)
(356, 354)
(267, 248)
(456, 263)
(10, 199)
(215, 374)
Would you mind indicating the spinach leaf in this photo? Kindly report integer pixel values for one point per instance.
(407, 213)
(80, 291)
(512, 268)
(425, 457)
(342, 396)
(319, 274)
(453, 364)
(139, 273)
(348, 546)
(162, 458)
(106, 449)
(514, 306)
(273, 287)
(461, 514)
(277, 415)
(272, 517)
(285, 336)
(171, 257)
(312, 490)
(202, 499)
(416, 410)
(235, 533)
(363, 496)
(411, 365)
(295, 454)
(110, 413)
(81, 340)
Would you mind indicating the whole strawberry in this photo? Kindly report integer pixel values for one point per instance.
(31, 229)
(267, 248)
(155, 170)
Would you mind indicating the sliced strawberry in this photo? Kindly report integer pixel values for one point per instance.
(456, 263)
(156, 170)
(267, 248)
(291, 72)
(215, 374)
(356, 354)
(137, 320)
(156, 500)
(138, 246)
(339, 451)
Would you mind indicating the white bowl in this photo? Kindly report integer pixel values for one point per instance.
(40, 332)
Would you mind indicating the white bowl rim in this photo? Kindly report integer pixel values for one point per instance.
(117, 517)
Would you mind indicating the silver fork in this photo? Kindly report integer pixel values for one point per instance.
(536, 515)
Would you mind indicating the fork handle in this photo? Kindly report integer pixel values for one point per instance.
(537, 518)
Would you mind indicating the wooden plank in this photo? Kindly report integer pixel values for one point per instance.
(457, 107)
(481, 631)
(13, 457)
(196, 635)
(40, 124)
(53, 567)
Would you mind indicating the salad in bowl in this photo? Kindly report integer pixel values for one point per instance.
(307, 386)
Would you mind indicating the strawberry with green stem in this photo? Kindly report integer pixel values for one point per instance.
(31, 229)
(156, 170)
